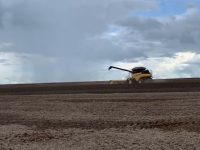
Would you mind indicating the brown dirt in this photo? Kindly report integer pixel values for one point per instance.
(170, 85)
(155, 120)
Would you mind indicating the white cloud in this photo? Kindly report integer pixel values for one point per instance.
(179, 65)
(9, 68)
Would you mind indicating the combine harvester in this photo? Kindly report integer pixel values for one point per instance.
(138, 75)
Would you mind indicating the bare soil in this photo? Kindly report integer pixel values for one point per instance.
(120, 121)
(102, 87)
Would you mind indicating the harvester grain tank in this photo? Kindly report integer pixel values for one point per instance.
(138, 75)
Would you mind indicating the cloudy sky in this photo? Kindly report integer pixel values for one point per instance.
(77, 40)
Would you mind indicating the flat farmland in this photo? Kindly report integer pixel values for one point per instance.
(164, 115)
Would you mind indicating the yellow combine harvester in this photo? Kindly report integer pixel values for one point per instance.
(138, 75)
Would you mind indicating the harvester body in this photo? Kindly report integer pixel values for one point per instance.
(138, 74)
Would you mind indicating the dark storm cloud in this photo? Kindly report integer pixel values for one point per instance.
(141, 24)
(167, 35)
(69, 40)
(2, 12)
(66, 30)
(53, 27)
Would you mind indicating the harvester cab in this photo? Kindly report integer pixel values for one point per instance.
(138, 74)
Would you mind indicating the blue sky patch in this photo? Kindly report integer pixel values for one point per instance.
(169, 8)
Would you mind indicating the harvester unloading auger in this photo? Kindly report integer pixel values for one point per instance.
(138, 75)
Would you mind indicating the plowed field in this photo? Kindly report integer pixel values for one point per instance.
(82, 116)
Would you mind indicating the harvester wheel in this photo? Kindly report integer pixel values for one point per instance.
(144, 79)
(141, 81)
(130, 81)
